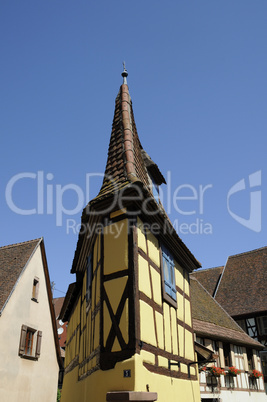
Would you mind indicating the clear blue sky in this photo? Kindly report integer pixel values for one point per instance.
(197, 78)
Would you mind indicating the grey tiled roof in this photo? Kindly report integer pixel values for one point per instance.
(242, 289)
(212, 321)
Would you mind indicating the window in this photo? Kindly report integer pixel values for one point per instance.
(169, 285)
(229, 381)
(250, 359)
(30, 343)
(262, 325)
(252, 383)
(200, 340)
(154, 187)
(35, 289)
(251, 327)
(155, 190)
(89, 276)
(227, 354)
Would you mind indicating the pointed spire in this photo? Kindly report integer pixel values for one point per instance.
(124, 74)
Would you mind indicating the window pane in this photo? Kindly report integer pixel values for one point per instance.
(166, 270)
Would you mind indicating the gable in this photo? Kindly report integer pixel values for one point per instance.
(13, 259)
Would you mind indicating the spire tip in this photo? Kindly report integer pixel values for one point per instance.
(124, 73)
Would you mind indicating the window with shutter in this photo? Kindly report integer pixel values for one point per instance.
(30, 343)
(168, 273)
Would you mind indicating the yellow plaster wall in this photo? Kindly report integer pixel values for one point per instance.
(168, 389)
(180, 306)
(147, 325)
(167, 327)
(95, 387)
(143, 276)
(116, 247)
(141, 236)
(179, 276)
(189, 345)
(170, 336)
(156, 283)
(153, 248)
(187, 309)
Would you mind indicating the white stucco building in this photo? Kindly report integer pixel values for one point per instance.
(29, 348)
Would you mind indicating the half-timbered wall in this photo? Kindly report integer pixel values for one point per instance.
(124, 338)
(82, 345)
(166, 332)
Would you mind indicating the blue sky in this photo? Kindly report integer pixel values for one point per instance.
(197, 78)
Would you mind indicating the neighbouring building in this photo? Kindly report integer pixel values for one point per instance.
(62, 335)
(240, 288)
(29, 348)
(232, 350)
(129, 335)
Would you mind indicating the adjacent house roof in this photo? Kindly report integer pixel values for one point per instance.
(14, 260)
(242, 289)
(61, 327)
(210, 320)
(209, 278)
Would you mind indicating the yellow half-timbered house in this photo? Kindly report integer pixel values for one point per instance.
(130, 335)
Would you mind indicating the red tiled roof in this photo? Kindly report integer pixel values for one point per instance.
(61, 327)
(212, 321)
(127, 162)
(13, 259)
(209, 278)
(242, 289)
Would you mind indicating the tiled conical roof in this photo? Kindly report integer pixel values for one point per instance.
(127, 161)
(130, 168)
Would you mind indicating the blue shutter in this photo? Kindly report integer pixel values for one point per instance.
(169, 273)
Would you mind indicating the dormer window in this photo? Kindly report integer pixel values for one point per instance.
(155, 176)
(155, 189)
(35, 289)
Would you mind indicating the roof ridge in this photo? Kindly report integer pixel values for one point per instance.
(21, 243)
(206, 269)
(248, 252)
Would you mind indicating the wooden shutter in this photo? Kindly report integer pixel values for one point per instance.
(22, 339)
(38, 344)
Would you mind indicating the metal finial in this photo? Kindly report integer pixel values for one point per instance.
(124, 74)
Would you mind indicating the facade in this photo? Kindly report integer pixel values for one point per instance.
(129, 334)
(243, 278)
(29, 349)
(232, 350)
